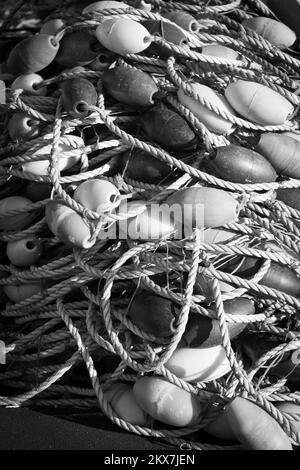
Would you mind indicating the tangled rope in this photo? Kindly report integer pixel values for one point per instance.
(78, 313)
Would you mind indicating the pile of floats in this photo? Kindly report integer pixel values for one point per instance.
(180, 327)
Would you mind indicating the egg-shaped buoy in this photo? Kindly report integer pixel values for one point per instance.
(67, 156)
(5, 76)
(258, 103)
(52, 26)
(167, 402)
(153, 222)
(216, 50)
(197, 331)
(254, 346)
(38, 191)
(254, 427)
(169, 32)
(282, 278)
(19, 292)
(205, 332)
(77, 48)
(123, 401)
(67, 225)
(28, 83)
(212, 50)
(243, 266)
(278, 276)
(109, 231)
(294, 135)
(153, 314)
(288, 367)
(15, 222)
(240, 165)
(290, 197)
(291, 408)
(141, 5)
(103, 61)
(287, 11)
(123, 36)
(98, 7)
(199, 364)
(32, 54)
(97, 195)
(77, 95)
(22, 125)
(203, 207)
(244, 421)
(203, 286)
(142, 166)
(182, 19)
(168, 129)
(212, 235)
(210, 119)
(282, 151)
(273, 31)
(220, 428)
(24, 252)
(130, 86)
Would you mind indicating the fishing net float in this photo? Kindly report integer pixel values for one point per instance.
(149, 217)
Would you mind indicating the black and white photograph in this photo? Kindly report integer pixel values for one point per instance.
(149, 229)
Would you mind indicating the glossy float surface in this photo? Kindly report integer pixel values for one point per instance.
(149, 218)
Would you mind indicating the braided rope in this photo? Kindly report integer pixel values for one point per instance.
(83, 302)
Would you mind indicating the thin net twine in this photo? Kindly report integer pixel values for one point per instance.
(51, 332)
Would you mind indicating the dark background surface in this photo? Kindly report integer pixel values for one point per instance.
(25, 429)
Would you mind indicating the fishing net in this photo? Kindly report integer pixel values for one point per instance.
(72, 337)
